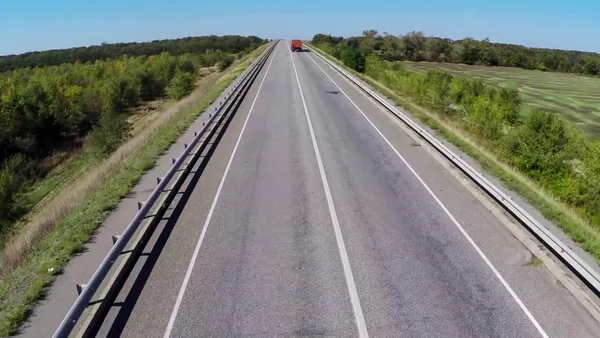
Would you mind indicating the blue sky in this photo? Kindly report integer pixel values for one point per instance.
(27, 25)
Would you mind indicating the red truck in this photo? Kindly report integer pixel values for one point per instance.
(296, 45)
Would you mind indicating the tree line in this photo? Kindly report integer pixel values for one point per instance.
(61, 107)
(42, 108)
(195, 45)
(541, 145)
(415, 46)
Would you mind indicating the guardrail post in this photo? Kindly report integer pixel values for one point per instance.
(115, 239)
(80, 288)
(158, 179)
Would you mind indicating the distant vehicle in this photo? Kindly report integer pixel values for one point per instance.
(296, 45)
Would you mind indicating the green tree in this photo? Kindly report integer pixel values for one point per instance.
(591, 66)
(511, 101)
(110, 133)
(180, 85)
(590, 182)
(485, 118)
(489, 57)
(371, 41)
(224, 61)
(229, 44)
(542, 146)
(354, 59)
(13, 176)
(470, 52)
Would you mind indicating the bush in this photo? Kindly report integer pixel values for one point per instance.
(485, 118)
(192, 45)
(224, 61)
(110, 133)
(13, 176)
(354, 59)
(436, 85)
(542, 146)
(512, 101)
(180, 85)
(590, 182)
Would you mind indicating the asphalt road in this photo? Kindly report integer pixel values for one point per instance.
(312, 223)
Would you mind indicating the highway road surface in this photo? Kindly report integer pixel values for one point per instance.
(318, 215)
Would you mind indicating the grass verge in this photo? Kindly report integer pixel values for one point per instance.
(24, 285)
(560, 214)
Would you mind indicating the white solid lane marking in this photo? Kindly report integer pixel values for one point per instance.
(212, 209)
(462, 230)
(358, 314)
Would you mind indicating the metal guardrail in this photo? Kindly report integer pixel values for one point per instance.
(586, 273)
(88, 291)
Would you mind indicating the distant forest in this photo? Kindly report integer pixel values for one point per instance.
(415, 46)
(196, 45)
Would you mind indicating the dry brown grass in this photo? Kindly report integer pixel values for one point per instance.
(63, 202)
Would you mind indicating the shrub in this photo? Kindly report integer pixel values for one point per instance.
(374, 67)
(485, 118)
(224, 61)
(180, 85)
(542, 146)
(110, 133)
(590, 181)
(512, 101)
(13, 176)
(437, 87)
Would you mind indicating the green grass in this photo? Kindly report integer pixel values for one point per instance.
(575, 97)
(21, 289)
(57, 178)
(560, 214)
(68, 170)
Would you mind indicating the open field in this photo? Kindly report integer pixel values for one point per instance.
(575, 97)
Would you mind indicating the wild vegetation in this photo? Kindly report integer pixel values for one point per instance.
(56, 109)
(193, 45)
(415, 46)
(574, 97)
(116, 152)
(541, 145)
